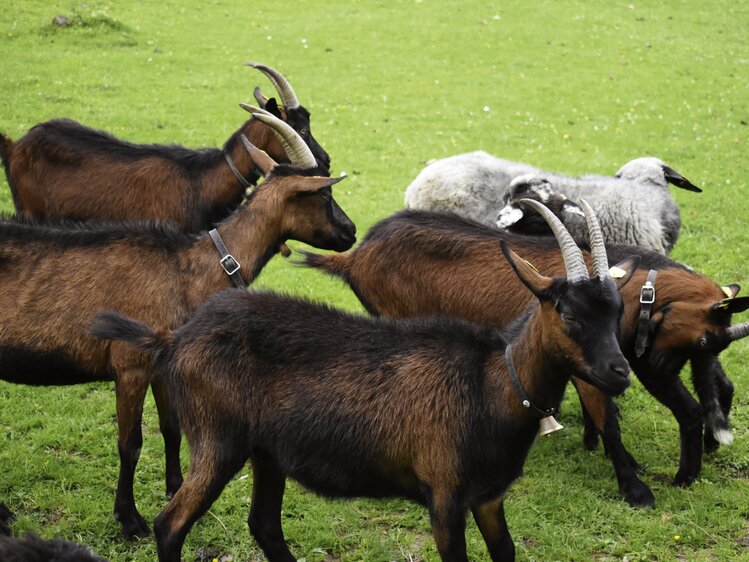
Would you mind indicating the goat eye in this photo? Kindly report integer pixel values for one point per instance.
(702, 342)
(303, 132)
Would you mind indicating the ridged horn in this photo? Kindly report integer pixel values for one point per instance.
(296, 150)
(571, 254)
(254, 109)
(738, 331)
(595, 239)
(284, 89)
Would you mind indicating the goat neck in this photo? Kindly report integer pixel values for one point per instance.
(252, 234)
(540, 377)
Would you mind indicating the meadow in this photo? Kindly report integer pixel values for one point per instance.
(571, 86)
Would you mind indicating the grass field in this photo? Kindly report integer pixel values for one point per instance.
(572, 86)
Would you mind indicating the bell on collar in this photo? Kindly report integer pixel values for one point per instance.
(548, 425)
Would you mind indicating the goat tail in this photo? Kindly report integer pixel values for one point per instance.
(334, 264)
(111, 325)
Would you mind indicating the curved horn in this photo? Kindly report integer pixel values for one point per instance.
(284, 89)
(252, 109)
(571, 254)
(297, 151)
(738, 331)
(595, 239)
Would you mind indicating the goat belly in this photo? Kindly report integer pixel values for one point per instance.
(24, 365)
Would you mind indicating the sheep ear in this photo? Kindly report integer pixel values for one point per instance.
(675, 178)
(259, 157)
(509, 215)
(311, 184)
(623, 271)
(529, 275)
(572, 208)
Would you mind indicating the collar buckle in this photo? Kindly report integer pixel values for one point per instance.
(647, 293)
(230, 264)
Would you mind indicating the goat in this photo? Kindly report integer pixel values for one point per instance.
(483, 188)
(417, 263)
(158, 274)
(63, 170)
(355, 406)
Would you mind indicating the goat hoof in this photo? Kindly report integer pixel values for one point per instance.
(136, 529)
(683, 480)
(711, 444)
(639, 496)
(590, 441)
(172, 488)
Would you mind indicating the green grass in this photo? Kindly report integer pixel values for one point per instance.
(572, 86)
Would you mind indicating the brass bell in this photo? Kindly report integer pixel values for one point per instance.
(548, 425)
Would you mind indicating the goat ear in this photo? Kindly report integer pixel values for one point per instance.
(259, 97)
(272, 107)
(731, 290)
(259, 157)
(622, 272)
(311, 184)
(732, 306)
(529, 275)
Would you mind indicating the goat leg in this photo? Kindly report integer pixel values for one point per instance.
(490, 518)
(131, 387)
(5, 516)
(715, 392)
(602, 412)
(169, 426)
(672, 393)
(448, 526)
(268, 483)
(207, 476)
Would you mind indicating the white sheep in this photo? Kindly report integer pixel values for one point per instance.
(481, 187)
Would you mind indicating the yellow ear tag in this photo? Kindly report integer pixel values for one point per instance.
(533, 266)
(728, 292)
(617, 272)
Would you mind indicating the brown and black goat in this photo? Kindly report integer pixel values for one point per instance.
(53, 281)
(417, 263)
(351, 405)
(63, 170)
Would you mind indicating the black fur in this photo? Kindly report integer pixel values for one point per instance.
(67, 234)
(33, 549)
(37, 367)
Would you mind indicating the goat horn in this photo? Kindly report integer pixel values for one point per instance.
(571, 254)
(284, 89)
(595, 239)
(738, 331)
(297, 151)
(253, 109)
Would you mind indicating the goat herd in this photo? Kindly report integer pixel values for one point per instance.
(436, 397)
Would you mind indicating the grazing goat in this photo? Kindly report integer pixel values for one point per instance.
(355, 406)
(633, 207)
(417, 263)
(63, 170)
(54, 280)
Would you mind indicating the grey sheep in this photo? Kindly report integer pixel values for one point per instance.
(481, 187)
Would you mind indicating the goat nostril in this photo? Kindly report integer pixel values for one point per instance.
(621, 369)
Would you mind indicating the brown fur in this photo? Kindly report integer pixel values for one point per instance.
(50, 293)
(53, 182)
(416, 264)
